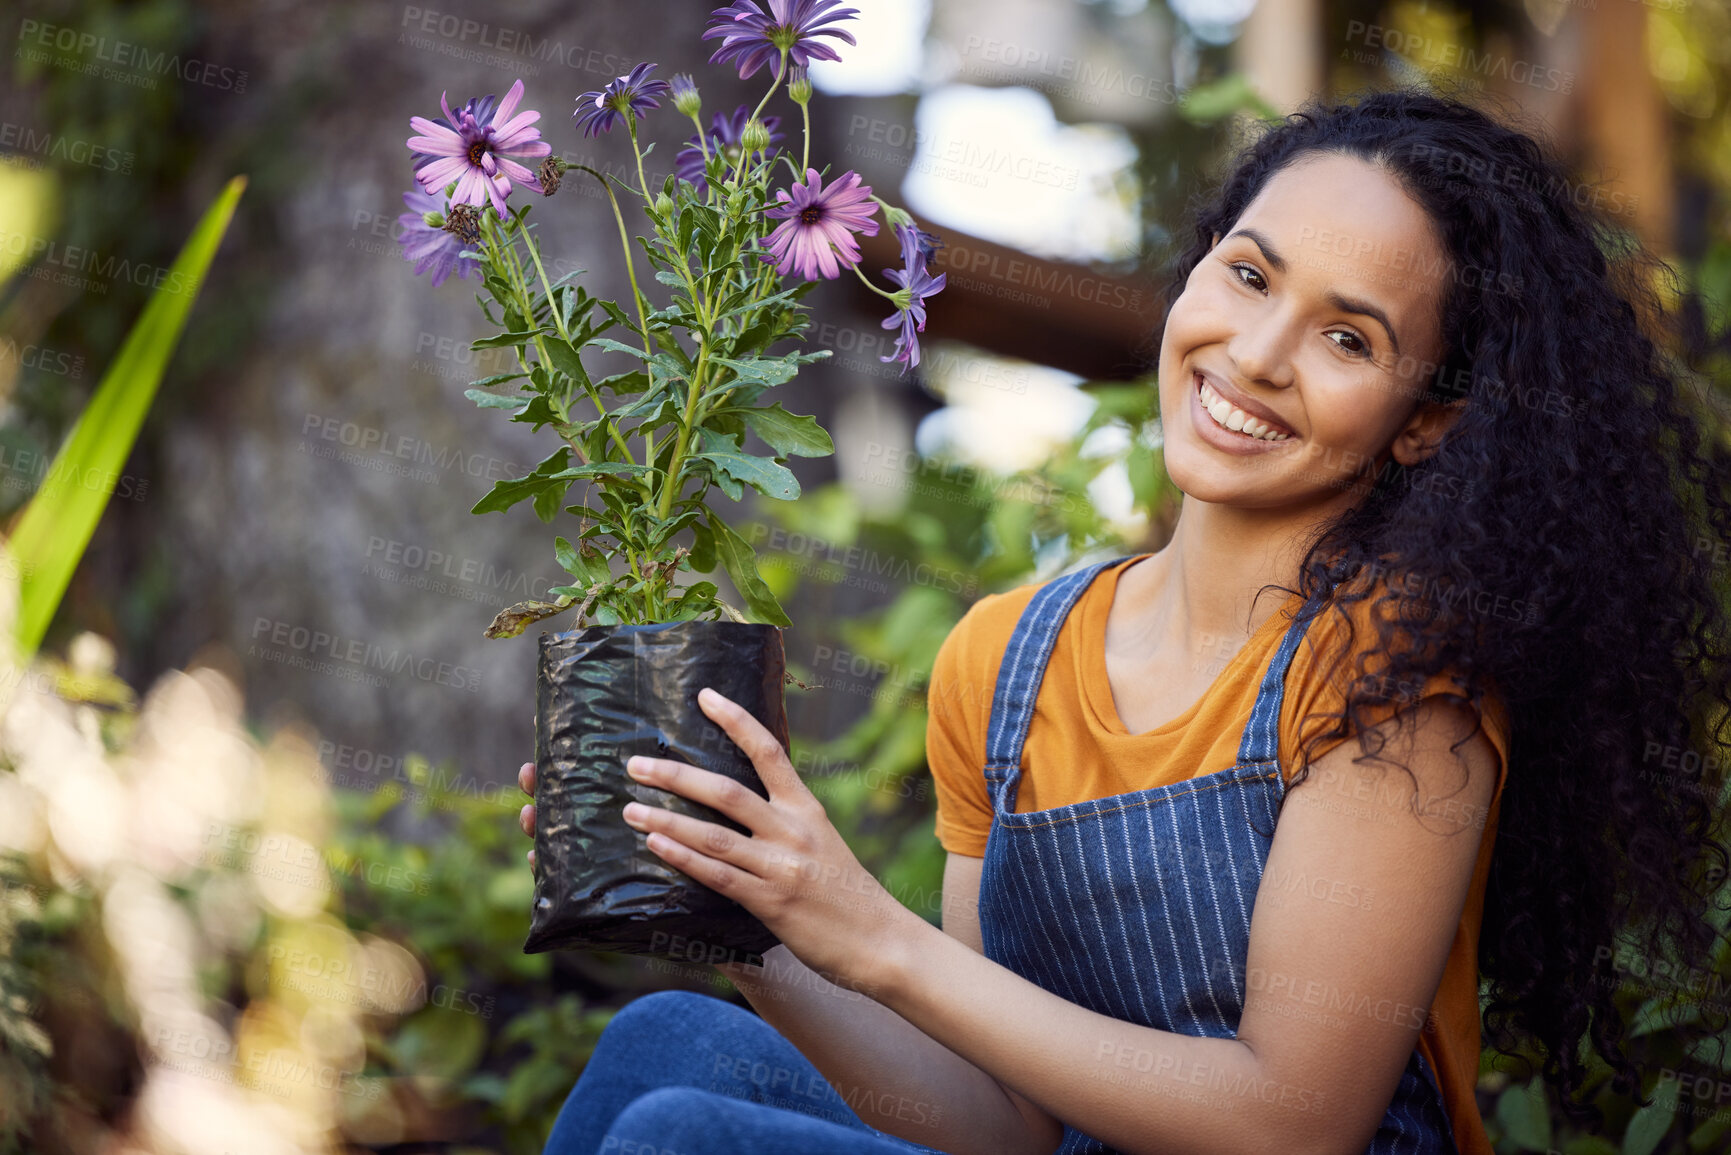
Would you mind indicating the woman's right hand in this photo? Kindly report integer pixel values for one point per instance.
(526, 817)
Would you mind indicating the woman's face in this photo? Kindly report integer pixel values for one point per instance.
(1317, 316)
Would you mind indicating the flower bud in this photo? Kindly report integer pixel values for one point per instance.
(685, 96)
(798, 85)
(663, 206)
(894, 215)
(433, 219)
(754, 137)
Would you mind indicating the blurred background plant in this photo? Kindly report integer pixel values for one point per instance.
(250, 906)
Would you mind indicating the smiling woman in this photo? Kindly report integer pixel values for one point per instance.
(1183, 913)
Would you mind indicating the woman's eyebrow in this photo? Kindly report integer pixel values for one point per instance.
(1346, 304)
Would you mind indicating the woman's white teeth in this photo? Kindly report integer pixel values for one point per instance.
(1227, 414)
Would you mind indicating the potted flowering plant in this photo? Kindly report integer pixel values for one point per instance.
(733, 238)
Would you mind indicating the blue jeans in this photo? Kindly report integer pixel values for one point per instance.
(679, 1073)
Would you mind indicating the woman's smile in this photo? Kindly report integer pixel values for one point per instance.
(1221, 435)
(1228, 414)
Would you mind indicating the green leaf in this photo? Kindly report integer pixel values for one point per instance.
(1647, 1126)
(605, 468)
(1219, 99)
(625, 384)
(566, 360)
(503, 340)
(693, 600)
(702, 556)
(763, 370)
(494, 400)
(1526, 1116)
(588, 568)
(787, 433)
(738, 558)
(1663, 1013)
(761, 473)
(537, 413)
(57, 525)
(498, 379)
(510, 491)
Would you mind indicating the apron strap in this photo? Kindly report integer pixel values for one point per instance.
(1024, 665)
(1261, 742)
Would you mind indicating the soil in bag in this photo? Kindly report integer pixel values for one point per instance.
(603, 694)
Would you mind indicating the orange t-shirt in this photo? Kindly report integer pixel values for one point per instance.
(1077, 749)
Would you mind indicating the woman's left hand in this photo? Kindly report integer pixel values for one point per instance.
(794, 872)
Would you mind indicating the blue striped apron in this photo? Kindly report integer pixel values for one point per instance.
(1138, 906)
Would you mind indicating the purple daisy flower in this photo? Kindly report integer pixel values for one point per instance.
(753, 37)
(815, 237)
(915, 280)
(633, 93)
(481, 158)
(430, 249)
(480, 108)
(723, 138)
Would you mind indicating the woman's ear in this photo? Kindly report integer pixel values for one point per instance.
(1215, 241)
(1425, 429)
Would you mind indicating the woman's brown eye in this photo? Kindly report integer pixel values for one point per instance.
(1358, 346)
(1241, 269)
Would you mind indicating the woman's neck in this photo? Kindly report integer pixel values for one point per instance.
(1202, 586)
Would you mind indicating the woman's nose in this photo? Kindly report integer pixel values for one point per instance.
(1262, 351)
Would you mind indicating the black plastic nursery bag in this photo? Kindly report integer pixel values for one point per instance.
(603, 694)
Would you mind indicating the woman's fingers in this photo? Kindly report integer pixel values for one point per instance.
(526, 816)
(767, 757)
(716, 791)
(717, 842)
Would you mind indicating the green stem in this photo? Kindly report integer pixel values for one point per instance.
(780, 71)
(636, 295)
(558, 314)
(685, 426)
(642, 181)
(864, 280)
(805, 150)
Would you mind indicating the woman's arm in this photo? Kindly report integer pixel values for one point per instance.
(1337, 992)
(1311, 1074)
(895, 1077)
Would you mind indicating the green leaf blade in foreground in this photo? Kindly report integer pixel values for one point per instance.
(54, 529)
(740, 562)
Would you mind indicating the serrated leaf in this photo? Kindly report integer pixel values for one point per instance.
(566, 360)
(493, 400)
(763, 370)
(505, 340)
(761, 473)
(509, 491)
(537, 413)
(625, 384)
(603, 469)
(787, 433)
(740, 561)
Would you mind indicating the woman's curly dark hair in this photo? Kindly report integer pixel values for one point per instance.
(1564, 547)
